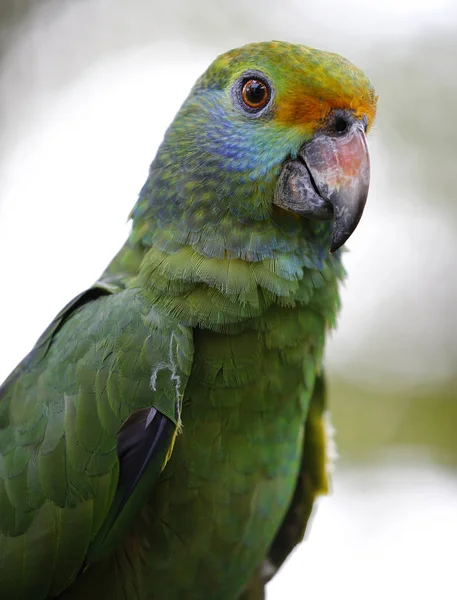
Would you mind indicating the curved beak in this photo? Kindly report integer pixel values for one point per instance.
(329, 180)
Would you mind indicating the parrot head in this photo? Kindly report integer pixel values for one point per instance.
(271, 134)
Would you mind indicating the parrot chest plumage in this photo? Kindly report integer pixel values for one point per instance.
(229, 482)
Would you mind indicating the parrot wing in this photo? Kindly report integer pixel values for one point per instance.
(312, 481)
(87, 422)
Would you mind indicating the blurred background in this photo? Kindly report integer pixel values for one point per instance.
(87, 88)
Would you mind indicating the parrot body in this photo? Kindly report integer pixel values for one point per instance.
(165, 437)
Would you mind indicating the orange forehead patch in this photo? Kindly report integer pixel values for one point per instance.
(310, 111)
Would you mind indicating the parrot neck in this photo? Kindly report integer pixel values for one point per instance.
(281, 261)
(288, 266)
(228, 294)
(207, 244)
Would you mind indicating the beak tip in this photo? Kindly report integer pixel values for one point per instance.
(347, 216)
(334, 247)
(339, 238)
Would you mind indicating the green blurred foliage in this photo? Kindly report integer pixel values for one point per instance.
(370, 422)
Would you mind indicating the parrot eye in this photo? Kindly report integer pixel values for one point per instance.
(255, 93)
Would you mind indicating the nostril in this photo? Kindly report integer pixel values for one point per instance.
(340, 124)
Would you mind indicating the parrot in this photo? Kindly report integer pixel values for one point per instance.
(166, 437)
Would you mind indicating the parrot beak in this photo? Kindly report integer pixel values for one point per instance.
(329, 180)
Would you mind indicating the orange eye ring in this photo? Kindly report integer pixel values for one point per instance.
(255, 93)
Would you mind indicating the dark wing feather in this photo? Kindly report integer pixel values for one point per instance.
(143, 444)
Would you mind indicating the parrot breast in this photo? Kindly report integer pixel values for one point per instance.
(223, 494)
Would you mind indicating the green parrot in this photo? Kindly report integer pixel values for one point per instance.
(165, 438)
